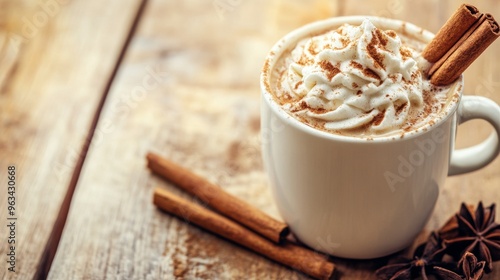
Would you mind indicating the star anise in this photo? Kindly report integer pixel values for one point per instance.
(475, 232)
(426, 262)
(450, 228)
(470, 268)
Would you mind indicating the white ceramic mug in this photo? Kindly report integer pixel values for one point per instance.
(358, 198)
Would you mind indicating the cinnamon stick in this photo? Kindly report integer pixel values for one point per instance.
(453, 66)
(453, 48)
(216, 198)
(465, 35)
(291, 255)
(456, 26)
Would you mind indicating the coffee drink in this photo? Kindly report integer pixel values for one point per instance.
(358, 81)
(356, 140)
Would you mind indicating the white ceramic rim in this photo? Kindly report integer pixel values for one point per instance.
(289, 41)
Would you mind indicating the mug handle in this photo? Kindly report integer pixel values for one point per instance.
(478, 156)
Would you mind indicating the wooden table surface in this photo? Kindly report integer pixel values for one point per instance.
(88, 87)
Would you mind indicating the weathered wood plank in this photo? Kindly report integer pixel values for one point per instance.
(204, 114)
(201, 111)
(57, 58)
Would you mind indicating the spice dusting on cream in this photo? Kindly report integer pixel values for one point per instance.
(358, 80)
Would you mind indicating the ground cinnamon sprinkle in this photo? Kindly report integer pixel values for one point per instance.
(312, 48)
(405, 53)
(378, 118)
(287, 96)
(284, 98)
(279, 86)
(356, 65)
(400, 108)
(381, 37)
(413, 78)
(265, 69)
(391, 33)
(366, 71)
(372, 50)
(429, 100)
(340, 30)
(297, 85)
(345, 42)
(301, 106)
(331, 70)
(369, 73)
(317, 110)
(304, 60)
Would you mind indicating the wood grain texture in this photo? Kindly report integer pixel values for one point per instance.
(56, 60)
(188, 89)
(203, 112)
(217, 199)
(288, 254)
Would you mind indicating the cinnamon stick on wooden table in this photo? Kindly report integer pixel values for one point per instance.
(458, 43)
(216, 198)
(294, 256)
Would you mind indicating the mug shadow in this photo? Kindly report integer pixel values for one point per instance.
(363, 269)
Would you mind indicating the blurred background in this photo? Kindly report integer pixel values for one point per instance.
(87, 87)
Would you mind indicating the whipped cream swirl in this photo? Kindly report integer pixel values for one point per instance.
(353, 77)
